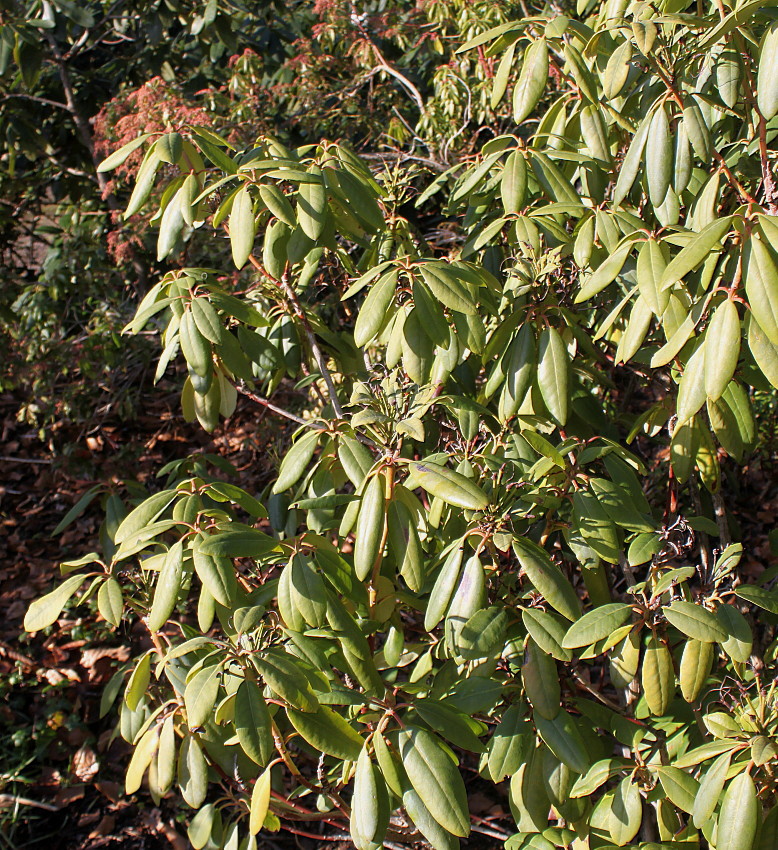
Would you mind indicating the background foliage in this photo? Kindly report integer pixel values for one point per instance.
(535, 321)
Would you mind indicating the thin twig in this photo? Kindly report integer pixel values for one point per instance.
(7, 800)
(23, 460)
(310, 337)
(243, 390)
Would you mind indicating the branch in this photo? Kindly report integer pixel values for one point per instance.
(291, 296)
(243, 390)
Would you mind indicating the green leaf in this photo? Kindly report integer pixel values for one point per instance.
(436, 835)
(739, 638)
(312, 205)
(631, 164)
(679, 786)
(562, 737)
(138, 683)
(296, 461)
(696, 665)
(659, 157)
(508, 743)
(597, 775)
(166, 754)
(144, 514)
(626, 812)
(44, 612)
(240, 542)
(553, 373)
(767, 599)
(547, 631)
(369, 804)
(435, 779)
(217, 575)
(201, 826)
(200, 694)
(168, 587)
(658, 677)
(722, 348)
(253, 723)
(691, 390)
(767, 76)
(447, 287)
(709, 793)
(369, 534)
(596, 624)
(513, 184)
(483, 634)
(110, 603)
(141, 759)
(242, 227)
(541, 682)
(452, 487)
(761, 275)
(373, 312)
(119, 157)
(739, 816)
(192, 772)
(206, 319)
(695, 251)
(695, 621)
(532, 80)
(764, 352)
(327, 731)
(605, 273)
(443, 589)
(547, 578)
(282, 674)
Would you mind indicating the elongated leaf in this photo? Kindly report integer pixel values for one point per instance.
(695, 621)
(762, 286)
(659, 157)
(767, 77)
(696, 665)
(547, 578)
(695, 252)
(554, 374)
(200, 694)
(141, 759)
(562, 737)
(45, 611)
(327, 731)
(679, 786)
(144, 514)
(722, 349)
(658, 677)
(312, 205)
(452, 487)
(242, 227)
(596, 624)
(281, 672)
(369, 804)
(192, 772)
(767, 599)
(370, 527)
(435, 779)
(168, 587)
(252, 723)
(739, 816)
(532, 80)
(260, 801)
(296, 461)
